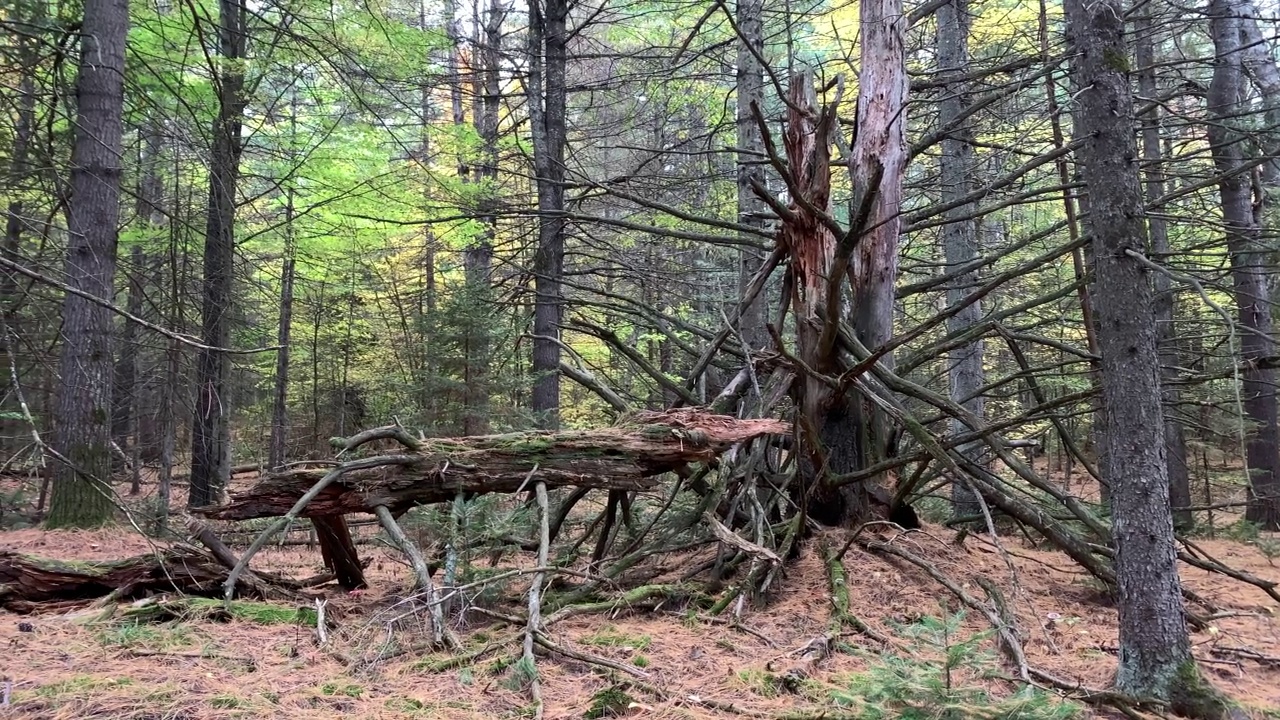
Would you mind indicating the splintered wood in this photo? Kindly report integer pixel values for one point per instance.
(624, 457)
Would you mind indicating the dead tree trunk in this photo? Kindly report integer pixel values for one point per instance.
(620, 458)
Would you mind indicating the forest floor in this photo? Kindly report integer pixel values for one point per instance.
(205, 668)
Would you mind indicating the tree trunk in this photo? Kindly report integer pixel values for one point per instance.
(479, 255)
(17, 179)
(880, 151)
(1248, 264)
(124, 412)
(81, 496)
(960, 234)
(1166, 337)
(1155, 651)
(547, 101)
(1260, 64)
(210, 430)
(751, 157)
(278, 452)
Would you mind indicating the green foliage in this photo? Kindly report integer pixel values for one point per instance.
(612, 701)
(138, 635)
(930, 686)
(523, 672)
(225, 701)
(345, 689)
(610, 636)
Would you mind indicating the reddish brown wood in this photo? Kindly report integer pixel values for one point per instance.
(339, 551)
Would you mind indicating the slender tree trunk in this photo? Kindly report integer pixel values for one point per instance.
(210, 468)
(1166, 337)
(547, 99)
(479, 255)
(18, 180)
(81, 493)
(1260, 64)
(960, 234)
(751, 157)
(125, 404)
(1155, 651)
(1069, 206)
(1248, 264)
(278, 451)
(171, 390)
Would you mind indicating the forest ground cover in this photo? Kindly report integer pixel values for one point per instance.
(269, 665)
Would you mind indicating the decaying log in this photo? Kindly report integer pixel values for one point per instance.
(624, 457)
(27, 579)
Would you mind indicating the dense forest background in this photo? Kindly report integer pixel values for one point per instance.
(987, 260)
(378, 214)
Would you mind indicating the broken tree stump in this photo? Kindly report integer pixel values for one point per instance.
(339, 551)
(624, 457)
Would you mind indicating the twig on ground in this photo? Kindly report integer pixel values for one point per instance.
(534, 624)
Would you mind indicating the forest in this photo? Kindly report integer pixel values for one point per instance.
(640, 358)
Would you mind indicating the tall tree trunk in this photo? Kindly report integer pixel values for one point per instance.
(1248, 263)
(124, 412)
(479, 255)
(546, 87)
(960, 234)
(81, 496)
(210, 440)
(1175, 442)
(1260, 64)
(878, 165)
(1155, 651)
(17, 178)
(1069, 206)
(827, 425)
(750, 151)
(278, 451)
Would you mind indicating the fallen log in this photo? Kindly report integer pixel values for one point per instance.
(25, 579)
(623, 457)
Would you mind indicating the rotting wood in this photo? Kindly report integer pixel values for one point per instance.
(25, 579)
(624, 457)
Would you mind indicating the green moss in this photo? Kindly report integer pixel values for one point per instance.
(609, 636)
(1190, 695)
(1115, 60)
(524, 443)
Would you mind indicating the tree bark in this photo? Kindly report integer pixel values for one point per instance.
(1155, 650)
(878, 165)
(960, 234)
(210, 435)
(278, 447)
(124, 401)
(18, 176)
(751, 157)
(81, 496)
(1249, 267)
(1166, 336)
(278, 451)
(621, 458)
(547, 105)
(479, 255)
